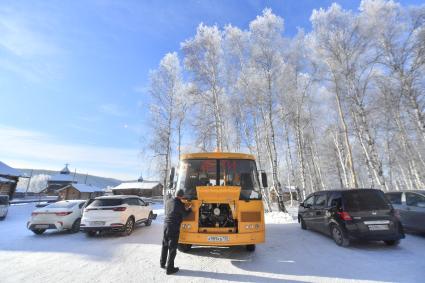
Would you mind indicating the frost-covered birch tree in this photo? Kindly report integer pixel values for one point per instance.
(167, 91)
(341, 105)
(203, 59)
(266, 63)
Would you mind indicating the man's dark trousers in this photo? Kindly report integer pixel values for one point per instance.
(169, 246)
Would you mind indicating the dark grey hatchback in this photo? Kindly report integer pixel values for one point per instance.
(411, 207)
(363, 214)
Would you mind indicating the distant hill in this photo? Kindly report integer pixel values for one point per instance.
(97, 181)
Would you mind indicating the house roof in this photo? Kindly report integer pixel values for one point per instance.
(7, 171)
(61, 178)
(4, 180)
(84, 188)
(137, 185)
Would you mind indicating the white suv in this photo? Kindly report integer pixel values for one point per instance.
(61, 215)
(116, 213)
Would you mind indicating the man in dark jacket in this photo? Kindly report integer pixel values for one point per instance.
(175, 211)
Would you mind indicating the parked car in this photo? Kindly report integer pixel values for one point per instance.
(4, 206)
(61, 215)
(411, 207)
(119, 213)
(363, 214)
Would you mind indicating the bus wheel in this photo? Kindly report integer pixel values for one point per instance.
(184, 247)
(250, 248)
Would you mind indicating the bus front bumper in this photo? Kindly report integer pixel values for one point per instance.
(209, 239)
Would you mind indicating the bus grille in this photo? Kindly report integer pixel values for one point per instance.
(250, 216)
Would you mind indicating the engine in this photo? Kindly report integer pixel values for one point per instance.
(215, 215)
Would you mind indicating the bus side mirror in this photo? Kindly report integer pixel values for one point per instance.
(171, 182)
(264, 179)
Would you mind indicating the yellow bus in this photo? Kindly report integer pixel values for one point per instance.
(225, 194)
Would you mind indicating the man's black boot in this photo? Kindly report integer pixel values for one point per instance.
(172, 270)
(163, 266)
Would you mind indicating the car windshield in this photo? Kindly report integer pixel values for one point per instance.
(4, 200)
(214, 172)
(107, 202)
(365, 200)
(62, 204)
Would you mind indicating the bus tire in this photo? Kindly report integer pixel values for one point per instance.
(250, 248)
(184, 248)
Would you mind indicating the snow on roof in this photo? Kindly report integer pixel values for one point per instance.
(117, 197)
(4, 180)
(137, 185)
(6, 170)
(61, 178)
(20, 190)
(84, 188)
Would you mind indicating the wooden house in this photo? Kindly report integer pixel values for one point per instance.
(139, 188)
(59, 181)
(79, 191)
(9, 178)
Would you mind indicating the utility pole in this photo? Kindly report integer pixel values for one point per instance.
(28, 184)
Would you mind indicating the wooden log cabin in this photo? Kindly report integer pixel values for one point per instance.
(9, 178)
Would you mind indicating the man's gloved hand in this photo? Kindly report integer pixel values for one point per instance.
(188, 205)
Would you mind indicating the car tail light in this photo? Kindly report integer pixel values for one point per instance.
(119, 208)
(344, 215)
(35, 214)
(65, 213)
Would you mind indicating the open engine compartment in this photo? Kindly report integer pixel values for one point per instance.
(216, 215)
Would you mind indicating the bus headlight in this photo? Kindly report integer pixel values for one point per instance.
(186, 226)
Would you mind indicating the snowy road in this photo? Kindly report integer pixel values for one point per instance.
(289, 254)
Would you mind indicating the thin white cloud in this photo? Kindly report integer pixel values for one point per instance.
(31, 149)
(27, 47)
(112, 110)
(19, 38)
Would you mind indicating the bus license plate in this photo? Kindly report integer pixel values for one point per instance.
(378, 227)
(218, 239)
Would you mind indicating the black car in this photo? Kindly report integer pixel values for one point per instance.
(411, 207)
(363, 214)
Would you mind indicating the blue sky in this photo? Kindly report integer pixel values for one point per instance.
(74, 74)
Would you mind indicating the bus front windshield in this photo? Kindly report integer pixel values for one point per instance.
(223, 172)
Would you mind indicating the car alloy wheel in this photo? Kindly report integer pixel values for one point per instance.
(76, 226)
(303, 225)
(149, 221)
(129, 226)
(339, 236)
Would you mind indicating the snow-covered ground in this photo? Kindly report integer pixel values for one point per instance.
(289, 254)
